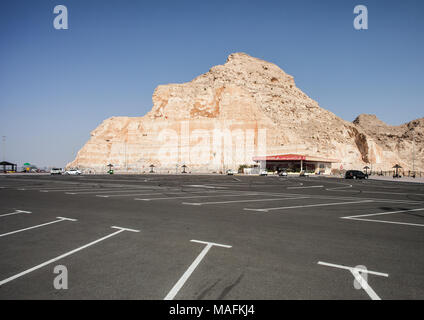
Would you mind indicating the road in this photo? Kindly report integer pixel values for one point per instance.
(210, 237)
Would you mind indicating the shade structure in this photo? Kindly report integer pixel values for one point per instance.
(397, 167)
(6, 166)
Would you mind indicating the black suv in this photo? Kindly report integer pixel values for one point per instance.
(355, 174)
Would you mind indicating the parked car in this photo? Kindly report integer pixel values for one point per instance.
(231, 172)
(355, 174)
(73, 172)
(263, 173)
(56, 171)
(282, 173)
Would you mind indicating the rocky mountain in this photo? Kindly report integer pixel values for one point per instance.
(243, 108)
(402, 144)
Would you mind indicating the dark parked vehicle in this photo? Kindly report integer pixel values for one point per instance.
(355, 174)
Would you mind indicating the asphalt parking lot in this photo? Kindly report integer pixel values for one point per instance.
(210, 237)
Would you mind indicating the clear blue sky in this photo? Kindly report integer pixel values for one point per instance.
(58, 85)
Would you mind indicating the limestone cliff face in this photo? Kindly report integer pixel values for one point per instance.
(254, 102)
(402, 144)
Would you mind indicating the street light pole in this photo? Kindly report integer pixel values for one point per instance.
(413, 151)
(125, 158)
(4, 148)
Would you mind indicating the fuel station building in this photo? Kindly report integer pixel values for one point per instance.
(295, 163)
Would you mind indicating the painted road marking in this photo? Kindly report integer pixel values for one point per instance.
(145, 194)
(337, 188)
(235, 201)
(85, 187)
(65, 255)
(342, 198)
(203, 186)
(16, 212)
(47, 186)
(78, 190)
(398, 193)
(221, 195)
(308, 205)
(307, 187)
(29, 188)
(125, 229)
(360, 217)
(124, 195)
(105, 191)
(60, 219)
(14, 187)
(356, 272)
(176, 288)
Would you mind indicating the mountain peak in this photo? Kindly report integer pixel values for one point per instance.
(365, 119)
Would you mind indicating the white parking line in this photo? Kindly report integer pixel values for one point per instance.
(397, 193)
(308, 205)
(307, 187)
(235, 201)
(339, 266)
(14, 187)
(16, 212)
(144, 194)
(203, 186)
(78, 190)
(176, 288)
(60, 219)
(221, 195)
(337, 188)
(345, 198)
(29, 188)
(124, 195)
(65, 255)
(360, 217)
(356, 272)
(106, 191)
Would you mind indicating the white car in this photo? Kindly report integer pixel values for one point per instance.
(73, 172)
(231, 172)
(263, 173)
(283, 174)
(56, 171)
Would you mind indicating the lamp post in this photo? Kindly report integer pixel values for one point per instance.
(4, 148)
(184, 167)
(413, 153)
